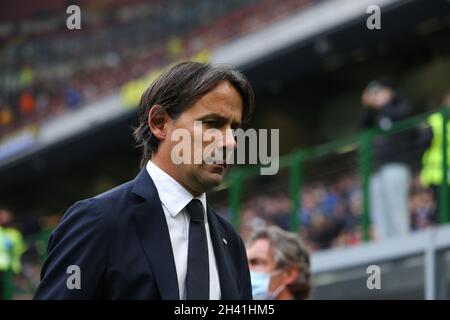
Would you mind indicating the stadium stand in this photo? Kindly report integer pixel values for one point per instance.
(44, 74)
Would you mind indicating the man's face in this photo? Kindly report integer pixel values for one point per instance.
(377, 96)
(219, 109)
(383, 96)
(260, 259)
(5, 218)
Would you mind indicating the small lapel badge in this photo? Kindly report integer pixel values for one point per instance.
(224, 241)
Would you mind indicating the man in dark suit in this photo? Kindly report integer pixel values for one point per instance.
(155, 237)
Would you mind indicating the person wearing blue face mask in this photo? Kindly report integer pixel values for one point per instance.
(279, 265)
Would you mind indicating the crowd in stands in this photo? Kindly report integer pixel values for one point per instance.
(331, 212)
(47, 70)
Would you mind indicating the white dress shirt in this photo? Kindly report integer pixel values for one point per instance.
(174, 198)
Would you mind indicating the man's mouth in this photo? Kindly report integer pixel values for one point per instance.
(219, 167)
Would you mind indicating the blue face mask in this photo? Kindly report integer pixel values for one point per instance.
(260, 286)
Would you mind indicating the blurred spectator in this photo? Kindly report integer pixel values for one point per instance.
(11, 248)
(330, 213)
(423, 209)
(72, 96)
(431, 175)
(279, 265)
(37, 231)
(391, 179)
(6, 116)
(27, 103)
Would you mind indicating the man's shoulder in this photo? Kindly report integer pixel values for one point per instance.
(116, 192)
(103, 203)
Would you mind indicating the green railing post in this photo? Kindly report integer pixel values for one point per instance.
(365, 167)
(295, 188)
(8, 284)
(235, 193)
(8, 280)
(443, 197)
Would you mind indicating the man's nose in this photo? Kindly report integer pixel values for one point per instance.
(227, 145)
(229, 141)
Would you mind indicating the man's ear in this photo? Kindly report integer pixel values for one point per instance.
(158, 119)
(290, 275)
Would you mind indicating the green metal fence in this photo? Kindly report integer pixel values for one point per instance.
(295, 163)
(39, 243)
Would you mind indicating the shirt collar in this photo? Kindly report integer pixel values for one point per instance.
(174, 197)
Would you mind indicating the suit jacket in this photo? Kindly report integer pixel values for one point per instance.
(120, 242)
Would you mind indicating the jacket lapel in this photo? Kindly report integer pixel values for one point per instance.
(153, 233)
(228, 287)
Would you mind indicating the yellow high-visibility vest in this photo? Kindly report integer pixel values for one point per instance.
(4, 255)
(431, 173)
(11, 249)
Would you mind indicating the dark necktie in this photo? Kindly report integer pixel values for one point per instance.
(197, 277)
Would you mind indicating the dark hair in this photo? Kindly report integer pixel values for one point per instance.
(179, 88)
(384, 82)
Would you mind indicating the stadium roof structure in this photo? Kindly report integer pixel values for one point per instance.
(295, 29)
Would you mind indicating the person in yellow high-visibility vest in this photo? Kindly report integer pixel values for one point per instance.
(431, 174)
(11, 248)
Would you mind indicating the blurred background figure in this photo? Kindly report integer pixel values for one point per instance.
(391, 178)
(431, 175)
(279, 265)
(11, 249)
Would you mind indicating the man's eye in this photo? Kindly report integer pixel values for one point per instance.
(255, 262)
(212, 124)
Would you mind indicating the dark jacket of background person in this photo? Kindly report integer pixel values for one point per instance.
(120, 242)
(390, 148)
